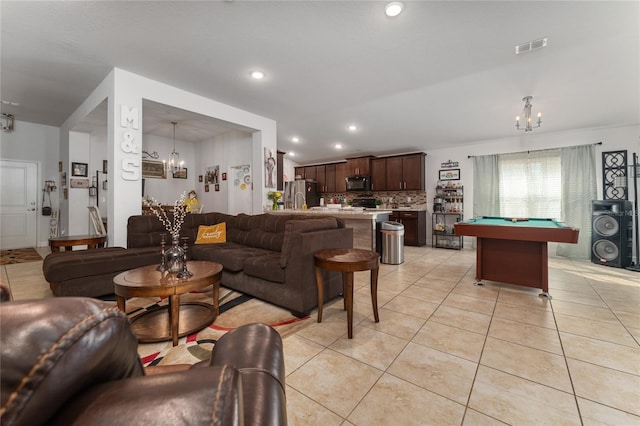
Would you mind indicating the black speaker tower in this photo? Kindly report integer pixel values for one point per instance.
(612, 233)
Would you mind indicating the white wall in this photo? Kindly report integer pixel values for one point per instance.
(40, 144)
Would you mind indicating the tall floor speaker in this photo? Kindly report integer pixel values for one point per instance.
(612, 233)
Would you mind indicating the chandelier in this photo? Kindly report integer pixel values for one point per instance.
(174, 164)
(526, 112)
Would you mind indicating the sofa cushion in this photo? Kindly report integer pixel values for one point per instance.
(266, 267)
(65, 266)
(230, 255)
(295, 226)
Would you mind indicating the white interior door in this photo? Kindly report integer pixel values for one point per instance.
(18, 204)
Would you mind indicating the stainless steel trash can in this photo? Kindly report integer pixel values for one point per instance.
(392, 243)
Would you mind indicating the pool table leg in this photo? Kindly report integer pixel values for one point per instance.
(545, 294)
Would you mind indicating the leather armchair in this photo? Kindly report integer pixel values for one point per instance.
(74, 361)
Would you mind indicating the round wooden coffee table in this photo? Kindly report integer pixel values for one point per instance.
(348, 261)
(68, 241)
(175, 320)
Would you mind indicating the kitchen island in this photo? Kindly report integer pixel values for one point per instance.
(363, 222)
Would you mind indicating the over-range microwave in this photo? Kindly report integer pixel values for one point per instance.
(358, 183)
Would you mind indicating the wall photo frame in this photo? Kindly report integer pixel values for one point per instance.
(79, 169)
(180, 174)
(153, 169)
(452, 174)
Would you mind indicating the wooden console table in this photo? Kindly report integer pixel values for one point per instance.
(68, 241)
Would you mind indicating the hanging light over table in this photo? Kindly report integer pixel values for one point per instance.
(526, 112)
(174, 164)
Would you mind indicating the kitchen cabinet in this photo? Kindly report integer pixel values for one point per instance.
(359, 166)
(330, 178)
(280, 170)
(342, 171)
(379, 174)
(415, 226)
(298, 172)
(447, 210)
(310, 172)
(405, 172)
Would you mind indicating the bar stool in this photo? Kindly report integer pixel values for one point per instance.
(347, 261)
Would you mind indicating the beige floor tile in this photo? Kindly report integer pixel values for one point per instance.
(447, 375)
(609, 387)
(583, 311)
(584, 299)
(579, 286)
(399, 276)
(409, 405)
(473, 304)
(334, 381)
(533, 316)
(297, 351)
(303, 411)
(474, 418)
(628, 319)
(467, 320)
(371, 347)
(526, 334)
(531, 364)
(594, 414)
(515, 400)
(332, 327)
(608, 332)
(410, 306)
(396, 324)
(635, 332)
(436, 283)
(391, 284)
(605, 354)
(524, 296)
(451, 340)
(629, 305)
(425, 293)
(467, 287)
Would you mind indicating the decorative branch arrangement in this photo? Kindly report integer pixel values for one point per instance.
(179, 212)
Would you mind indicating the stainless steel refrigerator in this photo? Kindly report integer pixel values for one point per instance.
(300, 192)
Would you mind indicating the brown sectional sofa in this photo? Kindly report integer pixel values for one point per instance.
(266, 256)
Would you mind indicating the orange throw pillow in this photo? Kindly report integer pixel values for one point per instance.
(213, 234)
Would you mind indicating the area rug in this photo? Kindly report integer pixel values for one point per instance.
(236, 309)
(8, 257)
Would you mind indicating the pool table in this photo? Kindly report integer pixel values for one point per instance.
(514, 250)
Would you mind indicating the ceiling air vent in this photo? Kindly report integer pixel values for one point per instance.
(531, 45)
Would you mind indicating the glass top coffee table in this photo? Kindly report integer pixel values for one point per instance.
(176, 319)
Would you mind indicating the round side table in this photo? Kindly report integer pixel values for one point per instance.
(347, 261)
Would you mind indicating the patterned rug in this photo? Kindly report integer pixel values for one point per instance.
(8, 257)
(235, 309)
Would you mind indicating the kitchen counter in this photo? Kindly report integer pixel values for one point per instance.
(362, 220)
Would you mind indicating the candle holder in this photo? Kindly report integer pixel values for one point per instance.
(184, 273)
(162, 266)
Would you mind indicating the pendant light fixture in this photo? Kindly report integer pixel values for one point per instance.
(174, 164)
(526, 112)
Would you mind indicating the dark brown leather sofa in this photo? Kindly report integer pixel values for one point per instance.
(74, 361)
(266, 256)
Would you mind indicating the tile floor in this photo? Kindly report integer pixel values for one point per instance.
(448, 352)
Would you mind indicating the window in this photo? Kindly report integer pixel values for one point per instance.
(530, 184)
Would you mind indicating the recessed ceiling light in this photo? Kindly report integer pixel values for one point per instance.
(291, 154)
(258, 75)
(393, 9)
(295, 139)
(16, 104)
(338, 146)
(353, 127)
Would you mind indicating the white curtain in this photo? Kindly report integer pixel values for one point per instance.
(486, 186)
(578, 189)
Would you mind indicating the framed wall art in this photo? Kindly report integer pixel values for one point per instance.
(452, 174)
(153, 169)
(79, 169)
(180, 174)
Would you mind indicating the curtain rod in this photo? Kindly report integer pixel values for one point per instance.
(547, 149)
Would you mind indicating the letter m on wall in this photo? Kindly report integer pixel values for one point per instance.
(129, 115)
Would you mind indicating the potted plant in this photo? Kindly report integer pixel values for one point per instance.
(378, 203)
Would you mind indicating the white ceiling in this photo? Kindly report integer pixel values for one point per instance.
(441, 74)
